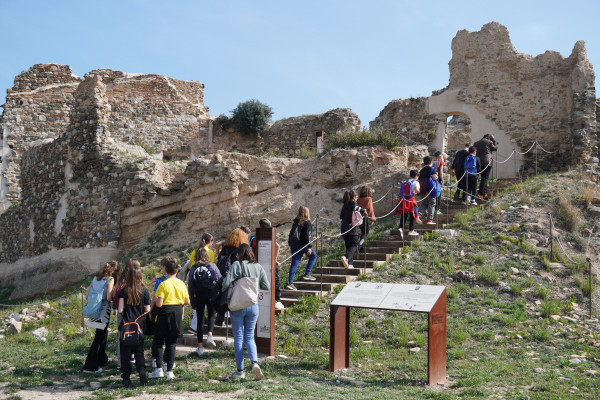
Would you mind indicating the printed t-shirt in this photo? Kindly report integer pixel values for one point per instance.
(173, 292)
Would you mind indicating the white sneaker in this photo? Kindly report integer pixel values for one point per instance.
(412, 233)
(258, 375)
(165, 366)
(158, 373)
(279, 305)
(345, 262)
(350, 266)
(170, 375)
(237, 375)
(473, 202)
(89, 371)
(200, 351)
(211, 342)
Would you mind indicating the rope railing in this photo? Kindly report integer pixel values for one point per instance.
(384, 196)
(43, 302)
(509, 157)
(528, 150)
(544, 150)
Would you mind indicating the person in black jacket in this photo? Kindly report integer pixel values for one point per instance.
(458, 169)
(485, 147)
(203, 280)
(298, 249)
(349, 230)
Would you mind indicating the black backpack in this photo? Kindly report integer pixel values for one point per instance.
(294, 236)
(202, 278)
(224, 259)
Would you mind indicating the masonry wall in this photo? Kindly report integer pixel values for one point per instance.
(547, 97)
(290, 135)
(37, 107)
(73, 186)
(161, 114)
(410, 119)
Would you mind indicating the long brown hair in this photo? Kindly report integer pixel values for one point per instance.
(134, 283)
(130, 263)
(107, 270)
(303, 215)
(204, 241)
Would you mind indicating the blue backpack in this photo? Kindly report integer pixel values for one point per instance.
(95, 302)
(438, 188)
(406, 190)
(471, 164)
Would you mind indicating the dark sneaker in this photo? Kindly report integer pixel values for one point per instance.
(308, 278)
(143, 379)
(126, 383)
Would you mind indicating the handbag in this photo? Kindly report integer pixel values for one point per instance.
(244, 293)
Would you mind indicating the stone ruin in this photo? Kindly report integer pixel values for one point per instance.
(92, 165)
(516, 97)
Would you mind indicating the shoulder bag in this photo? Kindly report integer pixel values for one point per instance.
(245, 291)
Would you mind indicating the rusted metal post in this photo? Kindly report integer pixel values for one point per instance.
(590, 283)
(321, 254)
(82, 320)
(536, 157)
(551, 238)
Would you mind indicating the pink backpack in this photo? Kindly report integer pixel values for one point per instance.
(357, 218)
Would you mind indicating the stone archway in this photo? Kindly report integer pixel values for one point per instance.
(447, 103)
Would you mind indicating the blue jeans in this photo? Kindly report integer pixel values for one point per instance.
(243, 323)
(296, 260)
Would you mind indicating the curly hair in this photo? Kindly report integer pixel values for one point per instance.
(108, 269)
(236, 238)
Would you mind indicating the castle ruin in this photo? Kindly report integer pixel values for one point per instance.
(91, 165)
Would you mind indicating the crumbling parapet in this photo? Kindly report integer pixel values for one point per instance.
(289, 135)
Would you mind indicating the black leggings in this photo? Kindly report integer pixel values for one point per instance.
(351, 242)
(126, 352)
(203, 302)
(157, 350)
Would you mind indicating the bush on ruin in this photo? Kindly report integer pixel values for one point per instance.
(251, 117)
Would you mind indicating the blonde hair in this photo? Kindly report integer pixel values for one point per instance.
(303, 215)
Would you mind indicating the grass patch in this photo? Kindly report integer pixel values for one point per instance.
(351, 138)
(568, 216)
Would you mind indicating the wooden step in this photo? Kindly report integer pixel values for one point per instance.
(384, 250)
(372, 256)
(191, 340)
(295, 294)
(315, 286)
(288, 302)
(357, 263)
(341, 271)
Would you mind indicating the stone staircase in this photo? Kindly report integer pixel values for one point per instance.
(333, 274)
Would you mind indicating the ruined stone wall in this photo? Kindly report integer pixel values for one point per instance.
(547, 97)
(37, 107)
(516, 97)
(289, 135)
(163, 115)
(73, 186)
(410, 119)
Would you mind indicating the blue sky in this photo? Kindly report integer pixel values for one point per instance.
(301, 57)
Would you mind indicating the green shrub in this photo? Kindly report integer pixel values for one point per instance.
(542, 292)
(550, 307)
(487, 275)
(350, 138)
(251, 117)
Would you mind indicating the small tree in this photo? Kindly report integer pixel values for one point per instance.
(251, 117)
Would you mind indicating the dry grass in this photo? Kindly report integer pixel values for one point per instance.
(589, 193)
(568, 215)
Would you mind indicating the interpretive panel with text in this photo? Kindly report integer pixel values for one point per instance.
(389, 296)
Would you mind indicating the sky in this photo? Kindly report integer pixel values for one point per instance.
(298, 57)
